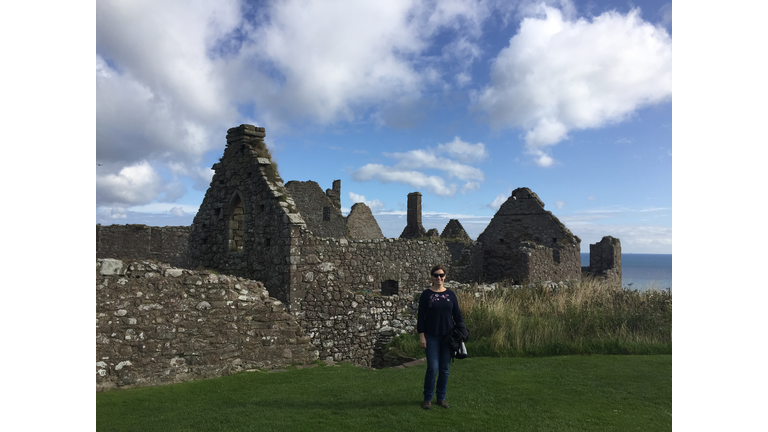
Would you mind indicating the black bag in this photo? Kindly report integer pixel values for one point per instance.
(456, 338)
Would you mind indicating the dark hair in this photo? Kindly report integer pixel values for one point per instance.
(436, 268)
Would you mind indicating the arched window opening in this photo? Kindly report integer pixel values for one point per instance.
(236, 225)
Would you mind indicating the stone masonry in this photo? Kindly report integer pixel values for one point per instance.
(156, 324)
(361, 224)
(321, 212)
(525, 243)
(605, 260)
(454, 230)
(353, 296)
(166, 244)
(247, 219)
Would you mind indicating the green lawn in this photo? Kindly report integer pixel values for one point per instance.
(571, 393)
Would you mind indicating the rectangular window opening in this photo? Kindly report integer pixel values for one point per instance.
(390, 287)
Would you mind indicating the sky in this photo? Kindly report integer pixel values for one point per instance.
(54, 120)
(461, 100)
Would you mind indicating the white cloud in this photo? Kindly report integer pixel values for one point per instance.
(634, 238)
(560, 204)
(166, 45)
(470, 153)
(356, 54)
(374, 204)
(171, 76)
(432, 184)
(177, 211)
(500, 199)
(470, 186)
(160, 96)
(559, 74)
(108, 213)
(430, 159)
(133, 185)
(410, 166)
(166, 207)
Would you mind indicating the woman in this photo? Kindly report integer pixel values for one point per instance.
(438, 313)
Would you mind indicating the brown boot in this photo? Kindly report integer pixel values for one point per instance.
(426, 405)
(442, 404)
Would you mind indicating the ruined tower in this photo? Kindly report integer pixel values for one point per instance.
(414, 229)
(605, 260)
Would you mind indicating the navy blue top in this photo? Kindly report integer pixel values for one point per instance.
(438, 312)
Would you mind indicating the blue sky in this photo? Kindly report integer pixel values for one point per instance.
(463, 101)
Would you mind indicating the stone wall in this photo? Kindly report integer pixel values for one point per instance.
(317, 209)
(156, 324)
(352, 296)
(552, 264)
(361, 224)
(166, 244)
(467, 261)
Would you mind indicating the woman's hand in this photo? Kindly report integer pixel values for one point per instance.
(423, 340)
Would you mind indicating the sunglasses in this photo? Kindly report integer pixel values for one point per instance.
(438, 275)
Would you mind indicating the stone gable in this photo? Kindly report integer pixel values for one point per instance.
(455, 231)
(526, 243)
(361, 224)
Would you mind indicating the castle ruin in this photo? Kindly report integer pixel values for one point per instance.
(349, 289)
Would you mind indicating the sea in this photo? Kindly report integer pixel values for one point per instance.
(643, 271)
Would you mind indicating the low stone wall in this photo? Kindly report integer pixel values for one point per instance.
(156, 324)
(553, 264)
(141, 242)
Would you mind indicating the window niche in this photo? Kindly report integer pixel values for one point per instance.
(390, 287)
(236, 225)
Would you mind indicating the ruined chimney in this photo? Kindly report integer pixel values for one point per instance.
(335, 194)
(414, 229)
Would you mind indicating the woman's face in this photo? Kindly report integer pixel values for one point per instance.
(438, 277)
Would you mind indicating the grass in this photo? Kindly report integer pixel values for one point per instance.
(565, 393)
(585, 318)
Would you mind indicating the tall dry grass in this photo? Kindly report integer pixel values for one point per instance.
(588, 317)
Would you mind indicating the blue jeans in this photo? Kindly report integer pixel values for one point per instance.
(438, 359)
